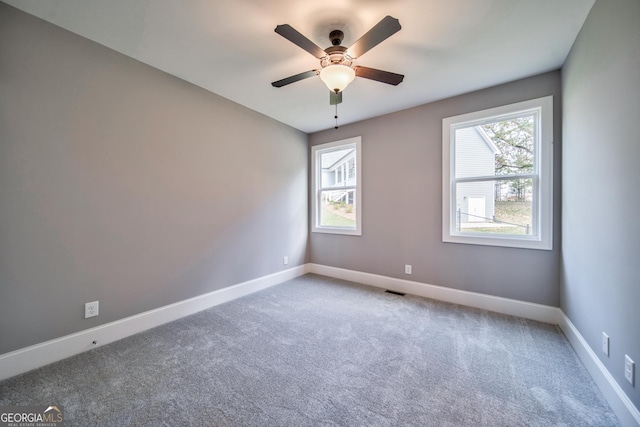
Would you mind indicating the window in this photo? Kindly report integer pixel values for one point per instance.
(497, 168)
(336, 203)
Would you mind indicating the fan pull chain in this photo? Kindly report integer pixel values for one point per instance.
(336, 116)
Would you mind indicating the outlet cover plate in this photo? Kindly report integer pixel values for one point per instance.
(91, 309)
(629, 369)
(605, 343)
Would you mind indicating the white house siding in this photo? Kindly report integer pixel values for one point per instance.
(474, 156)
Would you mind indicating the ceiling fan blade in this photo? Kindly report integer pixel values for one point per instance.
(379, 75)
(380, 32)
(335, 98)
(296, 78)
(295, 37)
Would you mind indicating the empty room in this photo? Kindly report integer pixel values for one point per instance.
(354, 213)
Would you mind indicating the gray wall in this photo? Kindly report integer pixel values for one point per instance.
(402, 204)
(123, 184)
(600, 288)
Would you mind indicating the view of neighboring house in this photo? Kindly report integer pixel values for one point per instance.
(475, 156)
(339, 170)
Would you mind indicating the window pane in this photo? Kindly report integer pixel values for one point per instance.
(337, 208)
(338, 167)
(495, 207)
(501, 147)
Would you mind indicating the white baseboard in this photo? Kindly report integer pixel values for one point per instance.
(35, 356)
(620, 403)
(624, 409)
(527, 310)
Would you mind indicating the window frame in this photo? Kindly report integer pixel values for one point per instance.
(317, 189)
(542, 206)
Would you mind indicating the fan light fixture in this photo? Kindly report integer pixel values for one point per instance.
(336, 61)
(337, 76)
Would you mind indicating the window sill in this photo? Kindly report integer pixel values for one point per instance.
(500, 241)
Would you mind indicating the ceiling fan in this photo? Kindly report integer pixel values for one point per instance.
(336, 62)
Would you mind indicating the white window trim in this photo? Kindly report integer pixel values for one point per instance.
(316, 179)
(543, 209)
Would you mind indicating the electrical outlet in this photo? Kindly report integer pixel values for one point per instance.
(605, 343)
(407, 269)
(629, 369)
(285, 260)
(91, 309)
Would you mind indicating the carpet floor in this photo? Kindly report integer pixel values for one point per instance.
(316, 351)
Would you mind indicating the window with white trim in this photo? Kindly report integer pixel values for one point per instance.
(336, 181)
(497, 176)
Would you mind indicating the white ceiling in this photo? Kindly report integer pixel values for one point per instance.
(445, 47)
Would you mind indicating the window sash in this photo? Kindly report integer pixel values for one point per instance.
(535, 112)
(340, 218)
(535, 213)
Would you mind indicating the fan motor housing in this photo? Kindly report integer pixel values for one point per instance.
(336, 55)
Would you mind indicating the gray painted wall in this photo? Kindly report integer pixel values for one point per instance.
(123, 184)
(402, 211)
(600, 289)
